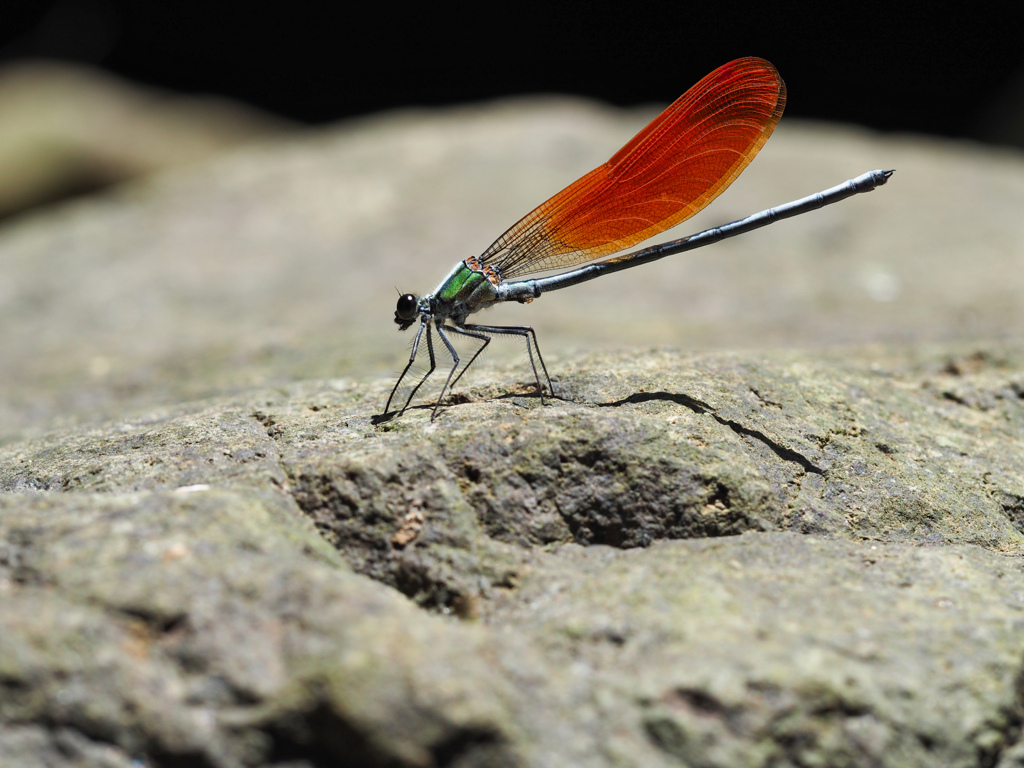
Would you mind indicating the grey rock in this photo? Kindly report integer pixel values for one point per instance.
(714, 560)
(212, 554)
(68, 128)
(279, 263)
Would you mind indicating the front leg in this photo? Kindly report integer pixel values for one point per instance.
(412, 359)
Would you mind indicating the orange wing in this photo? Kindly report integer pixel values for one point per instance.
(669, 171)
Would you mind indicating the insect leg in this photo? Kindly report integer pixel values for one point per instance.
(455, 357)
(528, 334)
(485, 339)
(425, 324)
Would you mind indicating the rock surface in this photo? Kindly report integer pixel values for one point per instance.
(279, 263)
(211, 553)
(66, 129)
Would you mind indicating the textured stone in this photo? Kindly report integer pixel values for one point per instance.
(215, 552)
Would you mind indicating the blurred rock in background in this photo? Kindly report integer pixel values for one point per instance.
(67, 129)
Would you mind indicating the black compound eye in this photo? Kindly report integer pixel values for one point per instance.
(407, 307)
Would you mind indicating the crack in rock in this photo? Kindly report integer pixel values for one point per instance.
(784, 453)
(702, 408)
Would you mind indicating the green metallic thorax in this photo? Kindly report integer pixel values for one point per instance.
(463, 292)
(461, 284)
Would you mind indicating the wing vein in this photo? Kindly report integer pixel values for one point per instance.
(664, 175)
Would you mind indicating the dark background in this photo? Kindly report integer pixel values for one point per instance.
(906, 67)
